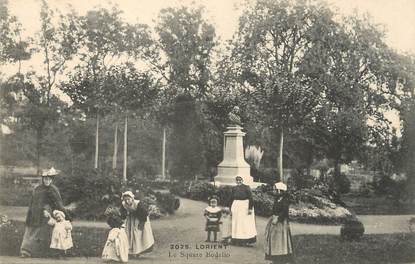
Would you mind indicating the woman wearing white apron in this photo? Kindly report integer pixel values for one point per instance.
(137, 225)
(243, 216)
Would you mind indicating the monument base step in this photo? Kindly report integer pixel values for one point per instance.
(252, 185)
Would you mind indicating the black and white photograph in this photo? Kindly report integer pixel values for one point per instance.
(207, 131)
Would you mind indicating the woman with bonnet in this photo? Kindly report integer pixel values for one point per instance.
(137, 226)
(243, 217)
(278, 242)
(45, 199)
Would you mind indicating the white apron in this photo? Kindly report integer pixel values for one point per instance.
(243, 224)
(139, 241)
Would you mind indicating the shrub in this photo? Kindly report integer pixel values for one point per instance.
(168, 202)
(224, 194)
(411, 224)
(11, 238)
(300, 179)
(263, 203)
(365, 190)
(93, 191)
(268, 175)
(88, 241)
(201, 191)
(341, 183)
(351, 230)
(15, 195)
(308, 205)
(180, 188)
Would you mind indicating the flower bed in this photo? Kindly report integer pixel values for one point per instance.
(308, 205)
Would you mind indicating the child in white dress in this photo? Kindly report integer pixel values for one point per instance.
(116, 247)
(61, 234)
(212, 214)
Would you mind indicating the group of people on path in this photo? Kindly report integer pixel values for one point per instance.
(48, 226)
(237, 225)
(133, 238)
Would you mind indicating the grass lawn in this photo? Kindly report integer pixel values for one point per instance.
(376, 205)
(382, 248)
(319, 249)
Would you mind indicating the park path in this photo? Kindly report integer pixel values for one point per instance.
(186, 227)
(191, 211)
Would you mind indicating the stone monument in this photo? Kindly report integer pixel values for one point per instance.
(233, 163)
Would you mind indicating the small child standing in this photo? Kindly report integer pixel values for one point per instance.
(213, 215)
(61, 235)
(116, 247)
(226, 228)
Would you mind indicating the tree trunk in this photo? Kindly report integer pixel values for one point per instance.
(38, 150)
(124, 173)
(281, 145)
(96, 143)
(72, 163)
(163, 158)
(114, 156)
(336, 168)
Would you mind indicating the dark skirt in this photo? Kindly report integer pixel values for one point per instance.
(278, 241)
(36, 241)
(212, 226)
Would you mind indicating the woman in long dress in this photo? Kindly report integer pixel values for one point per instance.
(138, 227)
(44, 200)
(278, 242)
(243, 215)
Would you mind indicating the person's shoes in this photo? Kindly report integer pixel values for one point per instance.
(207, 240)
(24, 255)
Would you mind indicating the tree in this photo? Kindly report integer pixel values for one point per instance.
(360, 84)
(128, 91)
(57, 46)
(38, 104)
(106, 40)
(12, 47)
(270, 50)
(407, 110)
(182, 59)
(186, 41)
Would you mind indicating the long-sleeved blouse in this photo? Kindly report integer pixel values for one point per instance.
(242, 192)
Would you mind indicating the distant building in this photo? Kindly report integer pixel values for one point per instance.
(19, 175)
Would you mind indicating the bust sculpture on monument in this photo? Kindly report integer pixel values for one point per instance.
(234, 118)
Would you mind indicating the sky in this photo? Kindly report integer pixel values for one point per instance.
(396, 16)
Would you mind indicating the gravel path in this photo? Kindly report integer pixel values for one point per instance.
(186, 228)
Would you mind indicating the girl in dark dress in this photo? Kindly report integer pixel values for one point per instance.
(213, 214)
(278, 241)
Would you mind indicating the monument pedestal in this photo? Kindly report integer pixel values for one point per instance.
(234, 163)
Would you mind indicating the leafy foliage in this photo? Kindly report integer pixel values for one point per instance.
(186, 146)
(12, 237)
(352, 230)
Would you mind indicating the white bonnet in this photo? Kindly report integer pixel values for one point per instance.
(280, 186)
(127, 193)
